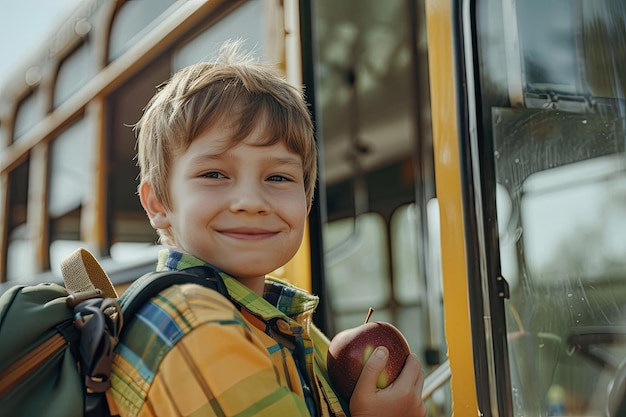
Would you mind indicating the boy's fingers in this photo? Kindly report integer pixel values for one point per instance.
(372, 369)
(412, 372)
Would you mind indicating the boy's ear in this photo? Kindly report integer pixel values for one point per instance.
(155, 210)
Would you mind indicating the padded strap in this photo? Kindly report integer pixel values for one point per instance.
(152, 283)
(82, 272)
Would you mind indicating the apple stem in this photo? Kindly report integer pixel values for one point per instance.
(369, 314)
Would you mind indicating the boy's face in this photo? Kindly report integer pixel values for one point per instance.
(241, 209)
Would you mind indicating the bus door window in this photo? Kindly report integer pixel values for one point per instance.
(555, 114)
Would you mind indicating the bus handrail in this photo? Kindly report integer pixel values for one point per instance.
(436, 379)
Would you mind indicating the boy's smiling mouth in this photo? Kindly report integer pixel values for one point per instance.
(247, 233)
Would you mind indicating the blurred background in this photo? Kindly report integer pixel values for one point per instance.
(23, 26)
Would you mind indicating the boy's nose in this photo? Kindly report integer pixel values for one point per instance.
(249, 198)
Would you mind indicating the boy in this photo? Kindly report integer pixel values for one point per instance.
(228, 166)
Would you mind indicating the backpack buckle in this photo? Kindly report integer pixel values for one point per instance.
(76, 298)
(95, 384)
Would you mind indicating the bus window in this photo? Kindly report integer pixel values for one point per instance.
(70, 183)
(243, 23)
(71, 160)
(405, 243)
(357, 268)
(29, 112)
(419, 294)
(74, 72)
(131, 20)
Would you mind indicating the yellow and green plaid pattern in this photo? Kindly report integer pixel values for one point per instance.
(191, 352)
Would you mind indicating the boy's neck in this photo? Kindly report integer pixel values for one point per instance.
(255, 284)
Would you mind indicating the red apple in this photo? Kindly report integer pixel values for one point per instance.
(350, 349)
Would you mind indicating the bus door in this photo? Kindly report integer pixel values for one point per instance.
(542, 142)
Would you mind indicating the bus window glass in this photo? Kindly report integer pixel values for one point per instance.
(418, 288)
(71, 168)
(20, 248)
(357, 267)
(29, 112)
(405, 243)
(74, 72)
(132, 20)
(70, 181)
(243, 23)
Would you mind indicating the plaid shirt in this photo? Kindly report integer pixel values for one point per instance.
(191, 352)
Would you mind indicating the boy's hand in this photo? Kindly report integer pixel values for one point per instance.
(403, 397)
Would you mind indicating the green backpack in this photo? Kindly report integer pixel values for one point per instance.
(57, 342)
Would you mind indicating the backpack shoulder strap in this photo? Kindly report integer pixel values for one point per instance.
(152, 283)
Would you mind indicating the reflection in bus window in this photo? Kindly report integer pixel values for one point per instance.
(566, 227)
(357, 268)
(131, 21)
(243, 23)
(574, 251)
(574, 222)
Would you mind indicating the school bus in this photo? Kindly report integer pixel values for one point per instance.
(472, 185)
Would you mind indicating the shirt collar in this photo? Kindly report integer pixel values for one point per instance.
(280, 298)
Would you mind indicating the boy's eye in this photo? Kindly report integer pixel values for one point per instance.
(213, 174)
(277, 178)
